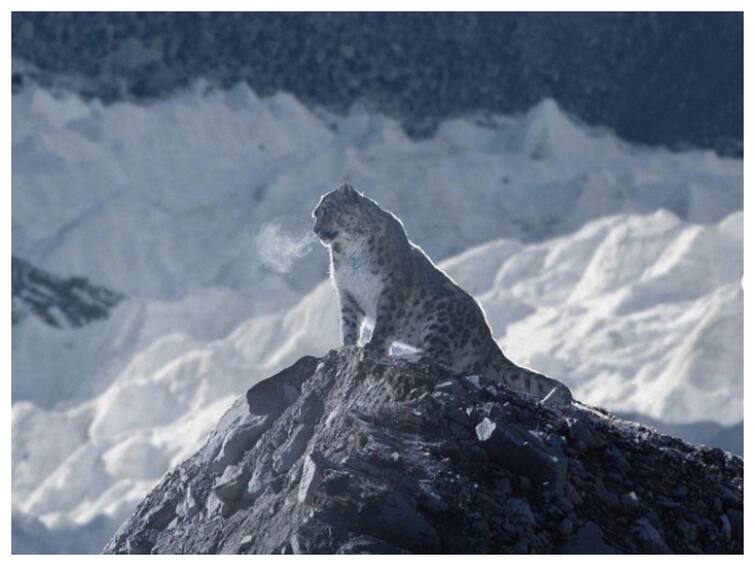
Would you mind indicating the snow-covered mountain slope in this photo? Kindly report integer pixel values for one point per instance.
(58, 302)
(197, 208)
(157, 200)
(31, 536)
(205, 198)
(80, 363)
(635, 313)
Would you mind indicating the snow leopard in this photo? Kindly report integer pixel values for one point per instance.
(383, 278)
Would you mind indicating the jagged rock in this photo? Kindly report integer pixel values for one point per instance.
(736, 518)
(518, 511)
(240, 438)
(680, 491)
(293, 448)
(348, 454)
(245, 544)
(138, 545)
(725, 527)
(580, 432)
(272, 396)
(430, 501)
(503, 487)
(649, 538)
(589, 540)
(368, 545)
(630, 501)
(687, 529)
(310, 477)
(472, 382)
(609, 499)
(524, 453)
(228, 486)
(260, 479)
(59, 302)
(188, 506)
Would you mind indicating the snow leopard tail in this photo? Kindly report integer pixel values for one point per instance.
(523, 380)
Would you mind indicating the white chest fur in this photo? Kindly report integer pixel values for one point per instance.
(353, 273)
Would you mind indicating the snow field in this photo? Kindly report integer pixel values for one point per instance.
(612, 267)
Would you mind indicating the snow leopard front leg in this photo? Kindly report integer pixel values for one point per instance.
(352, 316)
(386, 319)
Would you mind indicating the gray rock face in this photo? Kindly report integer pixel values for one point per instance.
(346, 454)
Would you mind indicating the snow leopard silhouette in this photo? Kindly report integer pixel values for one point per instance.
(382, 276)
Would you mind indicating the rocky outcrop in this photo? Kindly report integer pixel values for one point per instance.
(58, 302)
(346, 454)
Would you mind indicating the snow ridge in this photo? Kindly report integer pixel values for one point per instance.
(161, 199)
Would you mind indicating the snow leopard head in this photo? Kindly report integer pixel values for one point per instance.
(339, 214)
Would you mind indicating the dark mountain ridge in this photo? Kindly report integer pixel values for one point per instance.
(672, 79)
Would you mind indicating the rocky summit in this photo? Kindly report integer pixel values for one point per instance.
(348, 454)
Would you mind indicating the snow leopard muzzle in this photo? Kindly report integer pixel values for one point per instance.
(325, 234)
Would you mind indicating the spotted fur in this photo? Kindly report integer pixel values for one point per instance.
(382, 277)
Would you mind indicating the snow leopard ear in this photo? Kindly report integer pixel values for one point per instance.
(349, 191)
